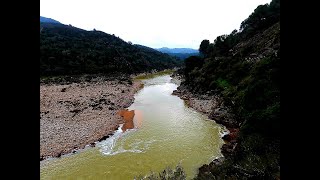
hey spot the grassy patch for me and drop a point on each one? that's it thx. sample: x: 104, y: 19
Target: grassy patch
x: 222, y: 83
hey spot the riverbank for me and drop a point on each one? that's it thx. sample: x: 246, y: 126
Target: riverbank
x: 78, y: 111
x: 212, y: 106
x: 165, y: 134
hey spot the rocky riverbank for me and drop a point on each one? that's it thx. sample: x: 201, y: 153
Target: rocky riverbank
x: 78, y: 111
x: 213, y: 106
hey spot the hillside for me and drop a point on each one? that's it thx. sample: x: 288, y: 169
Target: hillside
x: 243, y: 68
x: 48, y: 20
x: 67, y: 50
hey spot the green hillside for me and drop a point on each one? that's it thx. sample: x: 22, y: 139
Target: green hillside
x: 244, y: 68
x: 67, y: 50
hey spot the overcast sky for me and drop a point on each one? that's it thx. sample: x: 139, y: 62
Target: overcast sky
x: 154, y: 23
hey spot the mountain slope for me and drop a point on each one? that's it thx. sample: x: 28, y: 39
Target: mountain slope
x: 48, y: 20
x: 66, y: 50
x: 243, y: 68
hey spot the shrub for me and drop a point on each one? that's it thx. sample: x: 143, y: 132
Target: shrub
x: 167, y: 174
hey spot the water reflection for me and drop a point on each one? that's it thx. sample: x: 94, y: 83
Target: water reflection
x: 138, y: 119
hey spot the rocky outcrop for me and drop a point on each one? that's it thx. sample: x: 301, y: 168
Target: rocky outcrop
x: 205, y: 169
x: 261, y: 45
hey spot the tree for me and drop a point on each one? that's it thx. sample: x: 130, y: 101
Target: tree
x: 191, y: 63
x: 204, y: 47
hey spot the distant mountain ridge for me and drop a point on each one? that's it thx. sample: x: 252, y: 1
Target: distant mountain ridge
x: 180, y: 53
x: 48, y: 20
x: 177, y: 50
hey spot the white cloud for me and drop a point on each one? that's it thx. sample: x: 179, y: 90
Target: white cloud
x: 154, y: 23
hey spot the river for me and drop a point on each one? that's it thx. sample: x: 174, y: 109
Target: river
x: 166, y: 132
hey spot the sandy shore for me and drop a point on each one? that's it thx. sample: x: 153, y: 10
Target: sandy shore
x: 74, y: 115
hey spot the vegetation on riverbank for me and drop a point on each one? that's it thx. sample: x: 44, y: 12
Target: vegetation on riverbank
x: 167, y: 174
x: 244, y: 68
